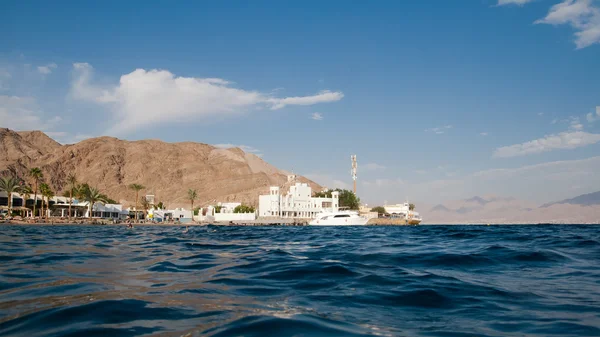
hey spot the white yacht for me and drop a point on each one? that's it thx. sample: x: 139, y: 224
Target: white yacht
x: 339, y: 218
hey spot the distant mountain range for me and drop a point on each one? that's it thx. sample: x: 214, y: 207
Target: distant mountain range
x: 493, y: 209
x: 583, y: 200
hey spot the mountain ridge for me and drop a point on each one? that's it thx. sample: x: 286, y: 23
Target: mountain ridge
x: 167, y: 170
x: 495, y: 209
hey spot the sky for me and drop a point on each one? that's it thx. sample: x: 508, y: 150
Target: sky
x: 439, y: 100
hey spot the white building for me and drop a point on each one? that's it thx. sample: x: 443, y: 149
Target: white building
x: 109, y: 211
x: 160, y: 215
x: 227, y: 207
x: 297, y: 203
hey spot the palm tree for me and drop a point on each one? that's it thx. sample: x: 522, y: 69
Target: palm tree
x: 137, y: 188
x: 92, y: 195
x: 49, y: 194
x: 10, y: 185
x: 26, y: 194
x: 72, y: 180
x: 37, y: 176
x: 411, y: 207
x: 145, y: 206
x: 192, y: 195
x: 44, y: 190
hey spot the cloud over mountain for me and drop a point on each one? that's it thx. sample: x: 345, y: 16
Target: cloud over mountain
x: 149, y: 97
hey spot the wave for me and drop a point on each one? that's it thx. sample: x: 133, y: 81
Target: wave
x: 291, y: 281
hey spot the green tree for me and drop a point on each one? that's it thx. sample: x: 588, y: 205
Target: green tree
x: 347, y: 197
x: 92, y: 195
x: 378, y: 209
x: 145, y: 206
x: 160, y: 205
x: 10, y: 185
x: 243, y: 209
x: 26, y: 193
x: 137, y: 188
x: 192, y: 195
x: 72, y: 180
x: 46, y: 192
x: 218, y: 209
x: 80, y: 190
x: 36, y: 174
x: 411, y: 207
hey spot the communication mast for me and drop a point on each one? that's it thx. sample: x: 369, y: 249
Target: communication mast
x: 354, y: 167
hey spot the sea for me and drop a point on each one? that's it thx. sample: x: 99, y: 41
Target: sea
x: 222, y: 281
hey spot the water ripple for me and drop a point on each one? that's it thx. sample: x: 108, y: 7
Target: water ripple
x: 300, y: 281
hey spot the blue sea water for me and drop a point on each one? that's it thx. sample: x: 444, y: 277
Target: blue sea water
x: 300, y: 281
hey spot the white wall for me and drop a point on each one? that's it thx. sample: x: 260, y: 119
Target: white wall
x: 235, y: 216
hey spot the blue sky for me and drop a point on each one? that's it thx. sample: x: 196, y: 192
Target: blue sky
x: 439, y: 100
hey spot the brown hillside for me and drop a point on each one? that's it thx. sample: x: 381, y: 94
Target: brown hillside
x: 167, y: 170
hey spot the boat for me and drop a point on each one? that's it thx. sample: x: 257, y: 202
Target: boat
x: 404, y: 211
x: 339, y: 218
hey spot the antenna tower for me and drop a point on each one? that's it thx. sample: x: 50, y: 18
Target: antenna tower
x: 354, y: 167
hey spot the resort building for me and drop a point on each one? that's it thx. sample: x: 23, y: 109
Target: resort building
x: 296, y: 203
x: 59, y: 207
x: 163, y: 215
x: 109, y: 211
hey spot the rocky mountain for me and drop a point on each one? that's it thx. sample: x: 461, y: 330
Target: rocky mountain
x: 583, y: 200
x: 493, y: 209
x: 167, y: 170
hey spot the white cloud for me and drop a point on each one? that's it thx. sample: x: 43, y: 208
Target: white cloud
x: 513, y: 2
x: 553, y: 168
x: 383, y: 182
x: 317, y: 116
x: 554, y: 121
x: 47, y: 69
x: 374, y: 167
x: 483, y: 134
x: 575, y: 124
x: 324, y: 96
x: 540, y: 113
x: 23, y: 113
x: 563, y: 140
x: 591, y: 117
x: 581, y: 15
x: 439, y: 130
x: 148, y: 97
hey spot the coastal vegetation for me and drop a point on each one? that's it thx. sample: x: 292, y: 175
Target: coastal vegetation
x: 411, y: 207
x: 10, y: 185
x: 72, y: 181
x: 44, y: 190
x: 145, y: 205
x: 218, y: 209
x: 36, y: 174
x: 244, y: 209
x: 347, y: 198
x: 192, y: 195
x: 92, y: 195
x: 137, y: 188
x: 378, y: 209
